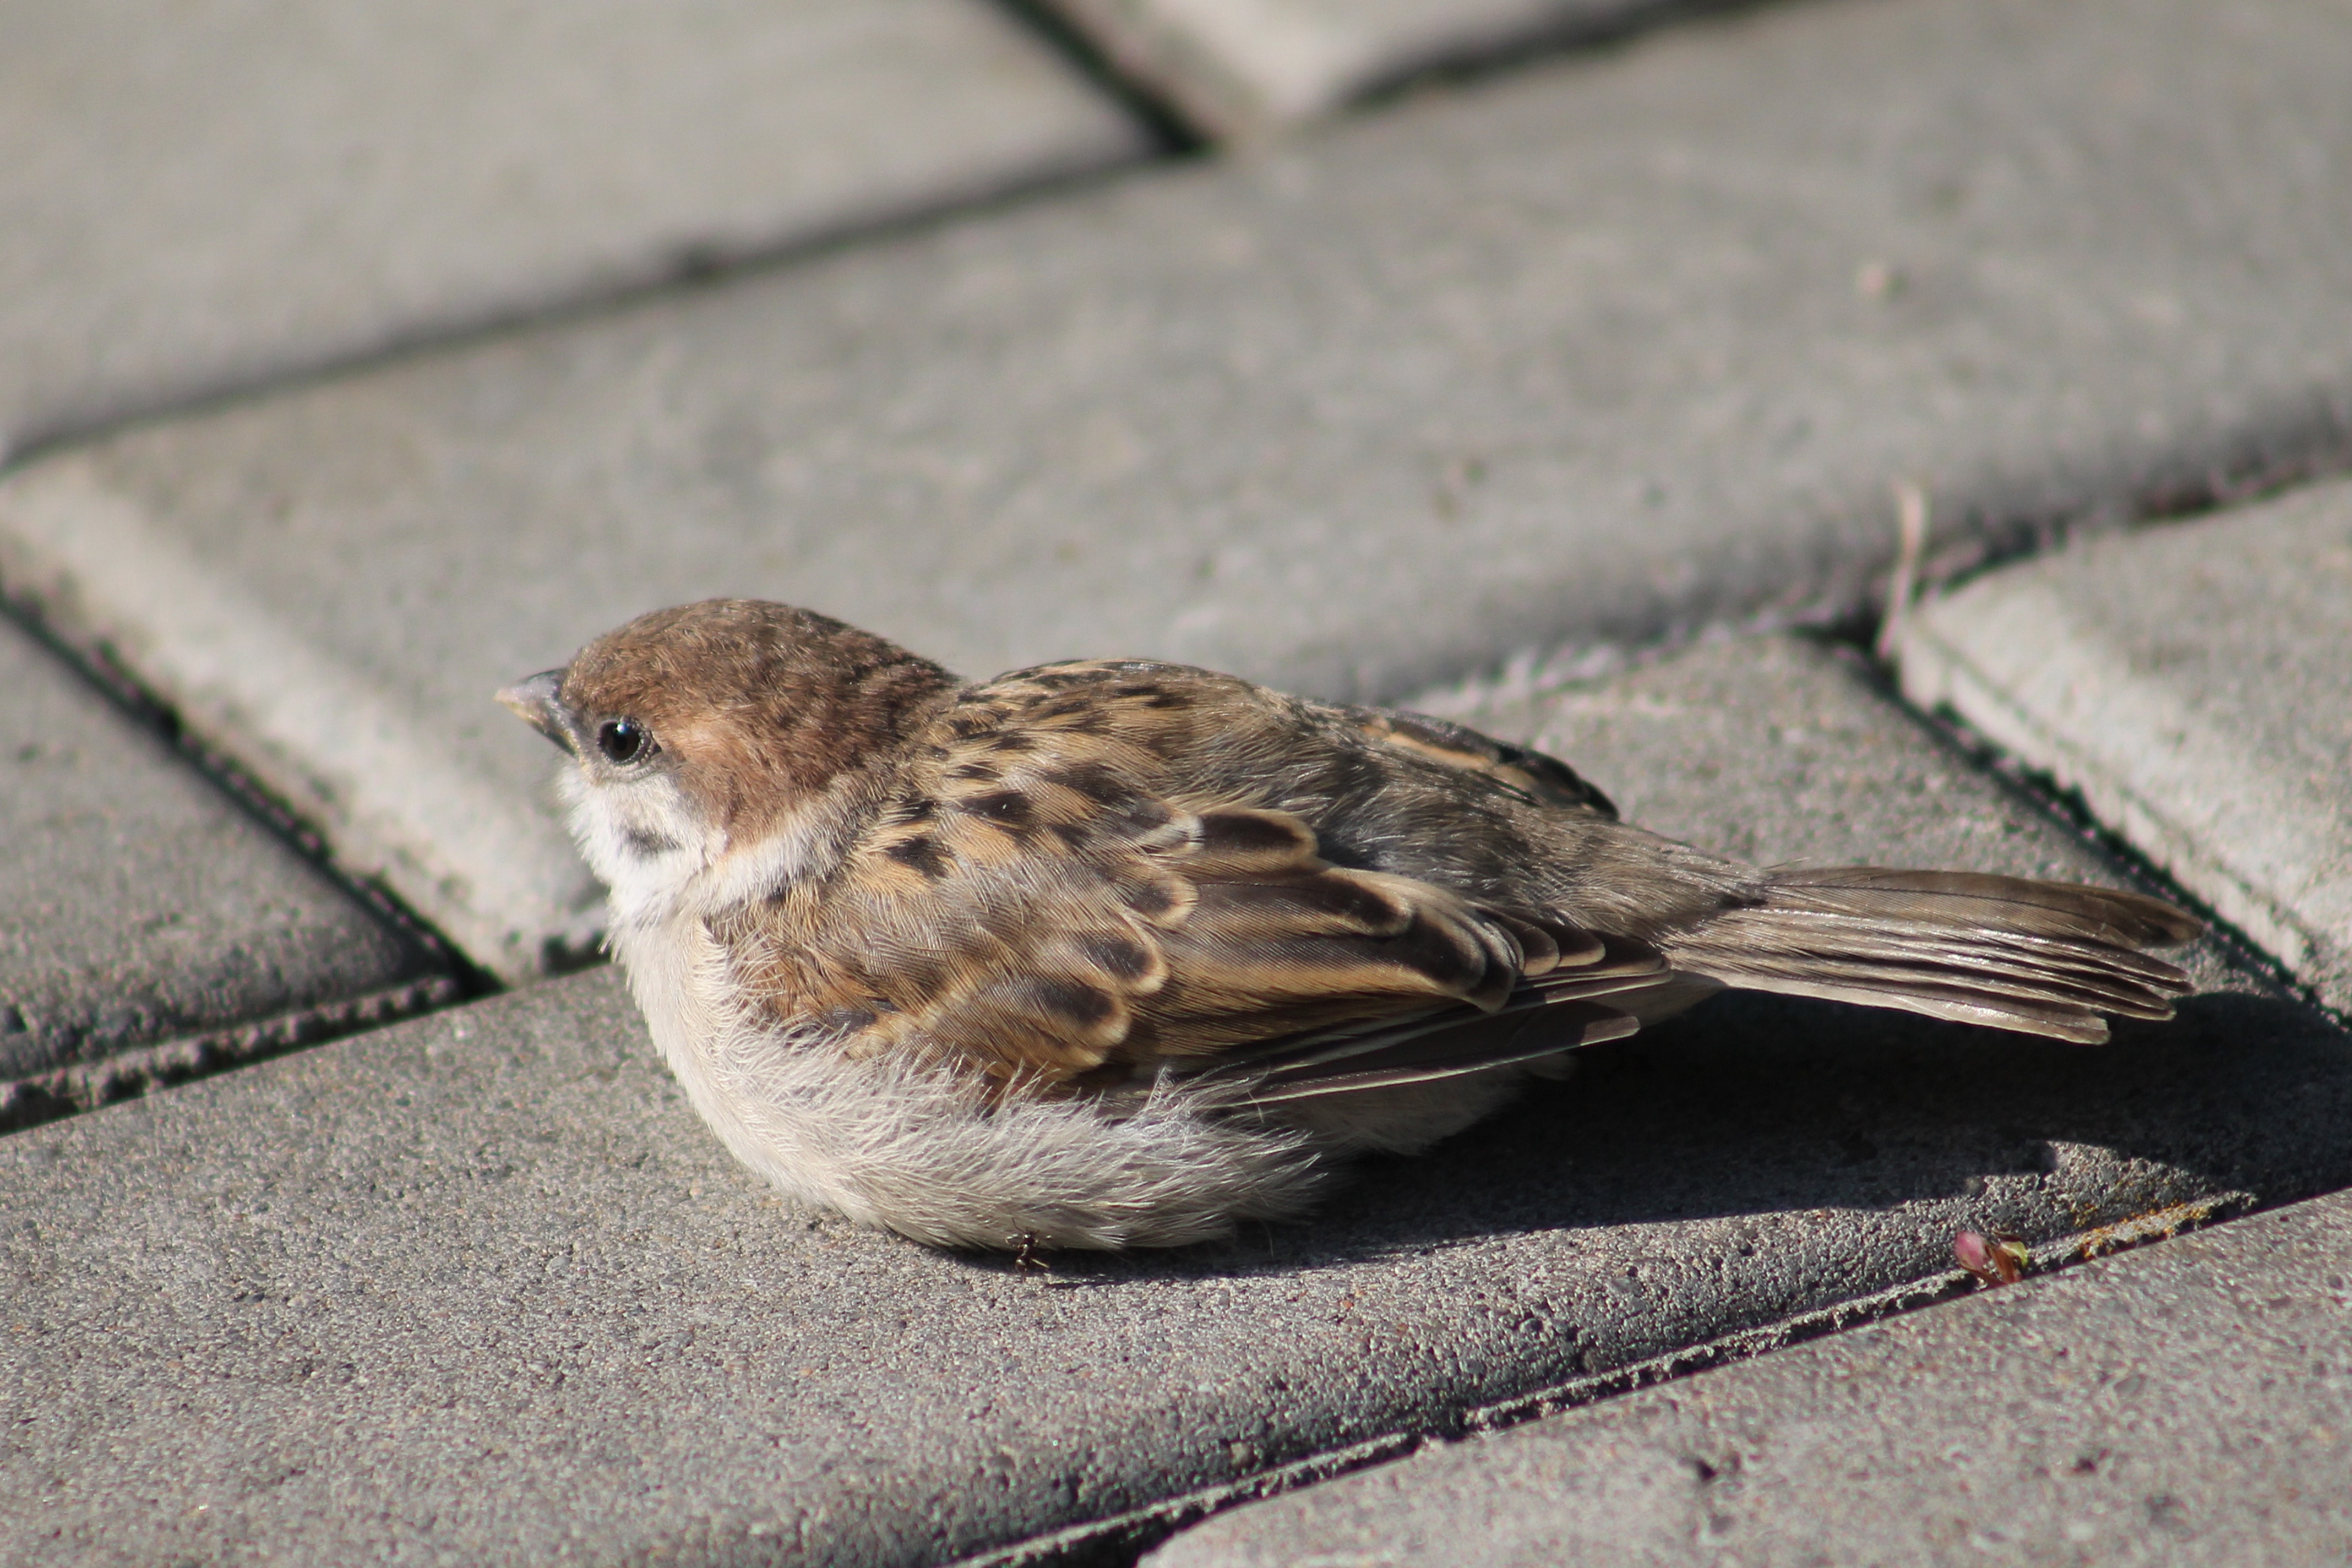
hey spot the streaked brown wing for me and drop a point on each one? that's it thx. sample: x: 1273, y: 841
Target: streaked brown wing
x: 1052, y: 906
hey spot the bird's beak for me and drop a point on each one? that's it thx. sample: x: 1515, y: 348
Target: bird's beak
x: 535, y: 702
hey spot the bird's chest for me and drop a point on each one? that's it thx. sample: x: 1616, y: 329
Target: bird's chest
x: 677, y: 973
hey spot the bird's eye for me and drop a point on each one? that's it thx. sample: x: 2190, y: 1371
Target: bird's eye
x: 624, y: 740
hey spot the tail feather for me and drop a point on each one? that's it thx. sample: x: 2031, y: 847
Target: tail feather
x: 1770, y: 941
x: 2047, y: 958
x: 1984, y: 972
x: 1979, y: 899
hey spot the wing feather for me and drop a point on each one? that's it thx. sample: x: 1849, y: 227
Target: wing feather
x: 1533, y: 773
x: 1089, y: 923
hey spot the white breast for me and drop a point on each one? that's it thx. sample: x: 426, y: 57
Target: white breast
x: 921, y: 1150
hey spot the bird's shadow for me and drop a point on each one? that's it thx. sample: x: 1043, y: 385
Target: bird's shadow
x: 1757, y: 1104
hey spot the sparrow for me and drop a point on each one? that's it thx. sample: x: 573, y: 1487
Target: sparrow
x: 1117, y: 953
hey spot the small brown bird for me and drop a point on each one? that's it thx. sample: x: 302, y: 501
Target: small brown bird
x: 1114, y: 953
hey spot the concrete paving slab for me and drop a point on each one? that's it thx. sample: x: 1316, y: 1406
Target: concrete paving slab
x: 1240, y: 69
x: 1779, y: 750
x: 2194, y: 684
x: 2181, y: 1405
x: 201, y: 196
x: 479, y: 1287
x: 1589, y: 353
x: 149, y: 927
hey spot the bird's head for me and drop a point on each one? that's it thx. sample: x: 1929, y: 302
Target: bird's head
x: 716, y: 736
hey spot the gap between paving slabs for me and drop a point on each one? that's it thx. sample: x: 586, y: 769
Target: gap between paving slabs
x: 150, y: 931
x: 1606, y: 348
x: 209, y: 198
x: 1120, y: 1541
x: 2182, y: 1405
x: 481, y: 1284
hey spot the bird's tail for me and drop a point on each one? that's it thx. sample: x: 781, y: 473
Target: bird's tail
x: 2046, y: 958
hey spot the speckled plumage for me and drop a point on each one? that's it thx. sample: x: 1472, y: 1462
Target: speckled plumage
x: 1115, y: 952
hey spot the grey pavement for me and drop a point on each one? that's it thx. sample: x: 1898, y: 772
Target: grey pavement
x: 1241, y: 70
x: 2194, y: 685
x: 1779, y: 750
x: 479, y: 1287
x: 204, y: 196
x: 1610, y: 347
x: 149, y: 927
x: 2188, y: 1404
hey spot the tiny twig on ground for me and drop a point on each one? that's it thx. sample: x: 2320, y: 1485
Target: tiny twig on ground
x: 1911, y: 545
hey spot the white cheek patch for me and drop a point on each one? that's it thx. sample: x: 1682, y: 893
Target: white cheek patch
x: 641, y: 837
x: 647, y: 843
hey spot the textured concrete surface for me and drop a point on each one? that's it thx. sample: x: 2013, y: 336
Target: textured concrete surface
x: 203, y: 195
x: 1242, y: 69
x: 2194, y: 683
x: 479, y: 1287
x: 1589, y: 352
x: 1779, y: 750
x: 147, y: 927
x: 2182, y: 1405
